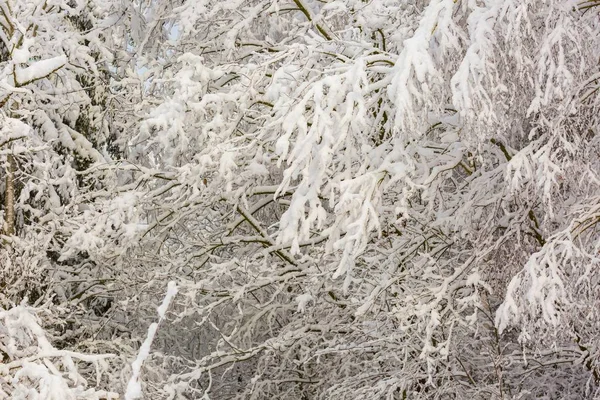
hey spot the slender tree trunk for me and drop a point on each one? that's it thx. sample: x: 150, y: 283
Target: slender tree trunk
x: 9, y: 204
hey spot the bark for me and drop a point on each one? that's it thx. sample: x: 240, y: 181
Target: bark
x: 9, y: 204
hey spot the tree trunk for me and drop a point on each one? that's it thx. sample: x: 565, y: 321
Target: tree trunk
x: 9, y: 204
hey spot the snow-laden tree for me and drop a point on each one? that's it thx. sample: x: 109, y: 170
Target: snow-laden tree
x: 56, y: 63
x: 32, y: 368
x: 56, y: 120
x: 358, y: 200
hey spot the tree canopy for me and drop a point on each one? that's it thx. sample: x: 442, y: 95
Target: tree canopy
x: 300, y: 199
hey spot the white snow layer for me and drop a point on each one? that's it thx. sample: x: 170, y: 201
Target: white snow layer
x: 134, y: 387
x: 39, y: 69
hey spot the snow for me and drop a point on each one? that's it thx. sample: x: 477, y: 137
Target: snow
x: 21, y: 55
x: 171, y: 292
x: 38, y: 70
x: 303, y: 301
x: 134, y: 387
x: 12, y: 129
